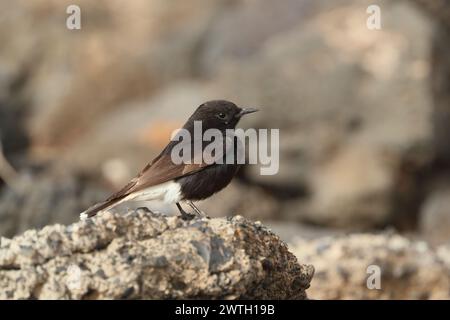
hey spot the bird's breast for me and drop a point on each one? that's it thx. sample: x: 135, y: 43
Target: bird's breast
x: 205, y: 183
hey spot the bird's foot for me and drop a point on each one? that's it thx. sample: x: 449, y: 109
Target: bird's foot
x: 187, y: 216
x: 184, y: 215
x: 199, y: 212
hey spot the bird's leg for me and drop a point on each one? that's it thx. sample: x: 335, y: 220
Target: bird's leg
x: 184, y: 214
x: 197, y: 210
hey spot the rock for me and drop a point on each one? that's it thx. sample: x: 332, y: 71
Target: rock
x: 142, y: 128
x: 250, y: 202
x: 242, y: 29
x: 290, y: 231
x: 344, y: 98
x: 74, y: 77
x: 13, y: 135
x: 37, y: 199
x: 438, y: 9
x: 409, y: 269
x: 144, y: 255
x: 439, y: 12
x: 355, y: 184
x: 434, y: 219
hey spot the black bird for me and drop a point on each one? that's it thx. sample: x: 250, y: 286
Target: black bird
x: 164, y: 180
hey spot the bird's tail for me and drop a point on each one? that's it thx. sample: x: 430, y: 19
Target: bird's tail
x: 92, y: 211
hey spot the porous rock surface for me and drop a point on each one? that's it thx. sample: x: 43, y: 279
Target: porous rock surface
x: 347, y: 267
x: 144, y: 255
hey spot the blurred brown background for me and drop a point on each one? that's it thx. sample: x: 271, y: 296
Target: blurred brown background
x: 363, y: 115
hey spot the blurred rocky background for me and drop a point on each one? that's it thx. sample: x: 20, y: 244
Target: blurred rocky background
x: 363, y: 114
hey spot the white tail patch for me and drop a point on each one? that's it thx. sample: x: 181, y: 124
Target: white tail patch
x: 168, y: 192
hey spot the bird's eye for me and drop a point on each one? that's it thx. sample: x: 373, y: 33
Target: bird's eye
x: 221, y: 115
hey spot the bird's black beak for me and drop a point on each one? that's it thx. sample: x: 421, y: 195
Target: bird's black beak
x: 246, y: 111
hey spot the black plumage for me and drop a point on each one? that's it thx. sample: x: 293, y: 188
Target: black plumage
x: 205, y: 183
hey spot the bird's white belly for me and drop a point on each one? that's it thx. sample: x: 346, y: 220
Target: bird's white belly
x: 169, y: 192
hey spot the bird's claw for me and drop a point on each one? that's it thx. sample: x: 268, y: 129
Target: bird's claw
x: 199, y: 212
x: 190, y: 216
x: 187, y: 216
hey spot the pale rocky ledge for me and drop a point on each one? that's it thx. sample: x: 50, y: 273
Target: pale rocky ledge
x: 145, y: 255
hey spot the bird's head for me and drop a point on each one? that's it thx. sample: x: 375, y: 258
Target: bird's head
x: 219, y: 114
